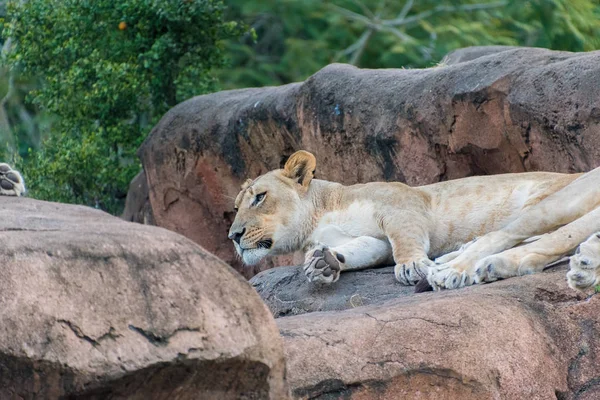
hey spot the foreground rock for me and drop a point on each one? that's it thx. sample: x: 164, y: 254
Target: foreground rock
x: 523, y: 338
x: 92, y: 307
x: 505, y: 110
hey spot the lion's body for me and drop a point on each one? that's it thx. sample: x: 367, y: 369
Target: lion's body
x: 454, y: 212
x: 348, y: 227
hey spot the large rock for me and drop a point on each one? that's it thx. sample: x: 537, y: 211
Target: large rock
x: 137, y: 204
x: 92, y: 307
x: 505, y: 110
x: 523, y: 338
x: 286, y: 291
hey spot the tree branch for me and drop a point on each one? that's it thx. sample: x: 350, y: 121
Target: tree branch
x: 354, y: 46
x: 353, y: 16
x: 373, y: 24
x: 442, y: 8
x: 405, y: 10
x: 399, y: 34
x: 364, y: 8
x: 364, y: 39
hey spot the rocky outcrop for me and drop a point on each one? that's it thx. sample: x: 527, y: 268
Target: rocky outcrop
x: 137, y: 204
x: 504, y: 110
x: 523, y: 338
x: 92, y: 307
x: 286, y: 291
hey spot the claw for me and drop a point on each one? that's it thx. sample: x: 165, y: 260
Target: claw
x: 412, y: 272
x: 447, y: 277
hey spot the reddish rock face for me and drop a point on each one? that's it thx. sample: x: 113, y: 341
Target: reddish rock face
x: 505, y: 110
x: 523, y: 338
x: 92, y: 307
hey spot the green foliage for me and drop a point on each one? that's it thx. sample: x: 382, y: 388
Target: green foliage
x: 109, y: 69
x: 298, y: 37
x: 597, y: 289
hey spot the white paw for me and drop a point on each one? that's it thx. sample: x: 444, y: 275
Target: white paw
x: 579, y: 278
x: 323, y: 265
x: 413, y: 271
x: 491, y: 268
x: 584, y: 266
x: 446, y: 276
x: 11, y: 181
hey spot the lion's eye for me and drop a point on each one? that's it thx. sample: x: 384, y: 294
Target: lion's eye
x: 235, y: 209
x: 259, y: 197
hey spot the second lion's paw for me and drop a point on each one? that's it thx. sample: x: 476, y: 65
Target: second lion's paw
x: 584, y: 266
x: 11, y: 181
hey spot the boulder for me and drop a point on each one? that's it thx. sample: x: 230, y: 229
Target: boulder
x: 503, y: 110
x: 523, y: 338
x: 137, y: 204
x: 286, y: 291
x: 92, y: 307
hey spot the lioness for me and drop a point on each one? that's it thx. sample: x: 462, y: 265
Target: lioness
x: 11, y: 181
x: 472, y: 225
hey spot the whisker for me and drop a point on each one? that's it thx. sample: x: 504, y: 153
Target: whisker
x: 265, y: 244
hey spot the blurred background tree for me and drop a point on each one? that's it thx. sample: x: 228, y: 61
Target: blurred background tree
x: 106, y: 71
x: 98, y: 74
x: 298, y: 37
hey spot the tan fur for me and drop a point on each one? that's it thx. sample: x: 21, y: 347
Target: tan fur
x: 350, y: 227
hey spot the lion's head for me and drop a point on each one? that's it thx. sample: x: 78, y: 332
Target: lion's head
x: 271, y: 210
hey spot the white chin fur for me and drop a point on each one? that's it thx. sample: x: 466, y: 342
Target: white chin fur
x: 253, y: 256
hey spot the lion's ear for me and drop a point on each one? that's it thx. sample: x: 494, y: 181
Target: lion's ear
x: 246, y: 184
x: 301, y: 167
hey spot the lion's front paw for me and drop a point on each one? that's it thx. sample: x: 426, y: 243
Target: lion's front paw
x: 411, y: 272
x: 446, y: 276
x: 323, y: 265
x: 492, y: 268
x: 11, y: 181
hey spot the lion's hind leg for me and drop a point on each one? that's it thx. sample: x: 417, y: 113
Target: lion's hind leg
x: 574, y: 201
x: 534, y: 257
x: 585, y: 264
x: 11, y: 181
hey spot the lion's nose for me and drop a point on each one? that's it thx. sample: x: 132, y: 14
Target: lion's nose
x: 237, y: 236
